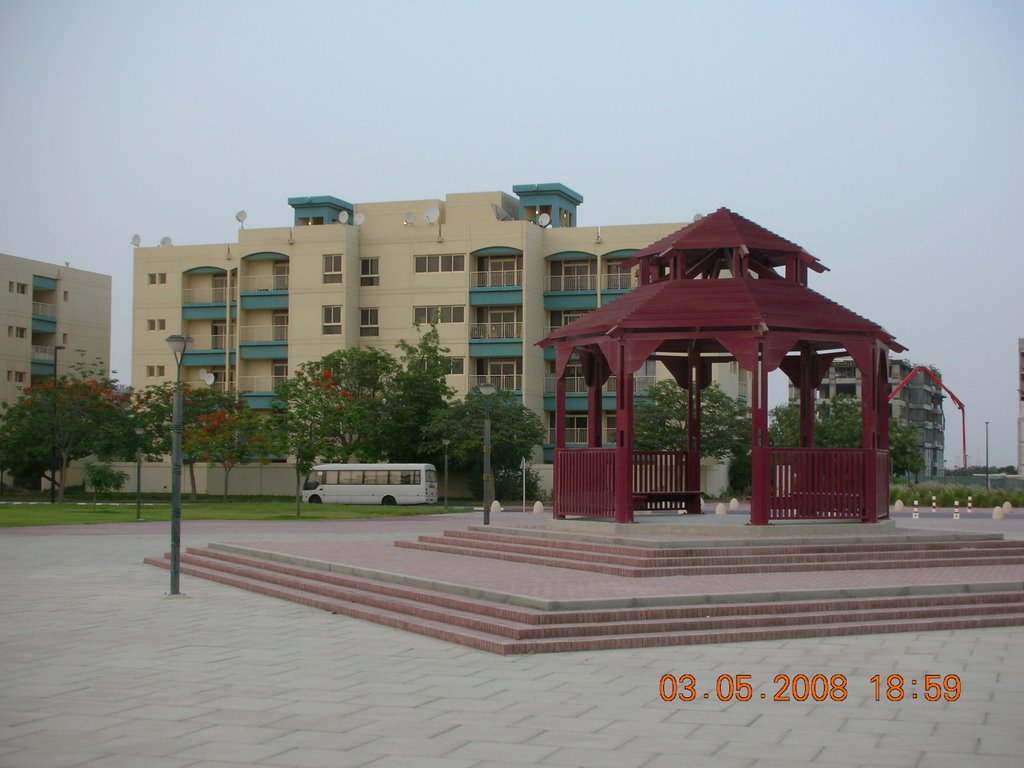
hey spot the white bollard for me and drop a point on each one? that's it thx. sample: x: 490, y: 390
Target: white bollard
x: 1007, y: 507
x: 720, y: 509
x: 734, y: 505
x: 934, y: 503
x: 956, y: 509
x: 898, y: 506
x: 538, y: 507
x: 970, y: 504
x: 917, y: 514
x: 997, y: 513
x: 495, y: 506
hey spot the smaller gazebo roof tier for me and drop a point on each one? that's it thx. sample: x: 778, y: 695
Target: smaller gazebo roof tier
x: 706, y: 247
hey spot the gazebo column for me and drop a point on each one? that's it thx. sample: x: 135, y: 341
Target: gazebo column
x: 874, y: 429
x: 559, y: 437
x: 624, y: 438
x: 760, y: 459
x: 808, y: 383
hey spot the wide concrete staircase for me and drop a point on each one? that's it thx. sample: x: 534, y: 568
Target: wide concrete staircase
x: 641, y: 558
x: 505, y: 623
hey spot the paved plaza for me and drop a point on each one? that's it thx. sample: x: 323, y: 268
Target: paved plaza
x: 98, y: 667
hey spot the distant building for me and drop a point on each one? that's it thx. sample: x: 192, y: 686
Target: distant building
x: 495, y: 271
x: 46, y: 307
x: 919, y: 403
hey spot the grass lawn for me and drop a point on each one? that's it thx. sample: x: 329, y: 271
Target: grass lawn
x: 78, y: 513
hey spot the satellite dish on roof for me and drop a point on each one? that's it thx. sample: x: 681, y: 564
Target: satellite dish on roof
x: 544, y: 219
x: 698, y: 216
x: 165, y: 241
x: 343, y: 217
x: 241, y: 217
x: 431, y: 214
x: 136, y: 240
x: 500, y: 213
x: 359, y: 218
x: 410, y: 218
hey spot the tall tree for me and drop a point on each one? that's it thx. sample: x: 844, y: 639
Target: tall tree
x: 234, y: 435
x: 309, y: 418
x: 367, y: 375
x: 659, y: 421
x: 419, y: 390
x: 75, y: 416
x: 838, y: 425
x: 152, y: 409
x: 516, y: 432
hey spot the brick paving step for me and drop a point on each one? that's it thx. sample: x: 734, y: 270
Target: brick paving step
x: 754, y: 560
x: 886, y: 543
x: 500, y: 628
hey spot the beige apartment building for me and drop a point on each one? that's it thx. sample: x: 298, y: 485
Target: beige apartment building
x: 52, y: 316
x: 495, y: 272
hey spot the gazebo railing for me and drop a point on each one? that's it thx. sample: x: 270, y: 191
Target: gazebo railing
x: 585, y: 481
x: 827, y: 484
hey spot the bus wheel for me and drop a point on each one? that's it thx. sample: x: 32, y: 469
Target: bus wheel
x: 388, y: 501
x: 315, y: 500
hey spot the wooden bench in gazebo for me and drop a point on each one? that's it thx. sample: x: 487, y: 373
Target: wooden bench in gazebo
x: 723, y: 290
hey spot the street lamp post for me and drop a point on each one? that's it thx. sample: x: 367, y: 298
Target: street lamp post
x: 138, y: 472
x: 178, y: 345
x: 988, y: 485
x: 487, y: 389
x: 53, y: 429
x: 446, y: 444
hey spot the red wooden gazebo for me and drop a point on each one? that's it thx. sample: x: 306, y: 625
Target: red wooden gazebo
x: 720, y: 290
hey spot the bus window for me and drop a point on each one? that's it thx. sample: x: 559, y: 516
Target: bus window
x: 312, y: 481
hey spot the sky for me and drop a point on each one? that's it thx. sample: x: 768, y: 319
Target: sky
x: 886, y: 138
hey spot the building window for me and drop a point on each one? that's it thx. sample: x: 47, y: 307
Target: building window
x: 18, y: 377
x: 368, y: 325
x: 158, y: 324
x: 64, y: 339
x: 432, y: 315
x: 458, y: 365
x: 279, y: 322
x: 157, y: 278
x: 369, y: 271
x: 332, y: 320
x: 17, y: 332
x: 446, y: 262
x: 332, y: 268
x: 154, y: 370
x: 65, y: 297
x: 21, y: 288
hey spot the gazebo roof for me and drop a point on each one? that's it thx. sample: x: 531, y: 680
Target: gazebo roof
x: 725, y: 229
x: 709, y: 307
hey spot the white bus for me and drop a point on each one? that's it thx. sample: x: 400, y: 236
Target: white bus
x: 371, y: 484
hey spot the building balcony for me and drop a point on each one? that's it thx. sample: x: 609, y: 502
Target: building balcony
x: 41, y: 309
x: 512, y: 278
x: 259, y: 384
x: 509, y: 382
x: 205, y: 295
x: 262, y: 333
x: 260, y: 283
x: 42, y: 354
x: 618, y: 281
x: 570, y: 283
x: 496, y: 330
x: 577, y: 385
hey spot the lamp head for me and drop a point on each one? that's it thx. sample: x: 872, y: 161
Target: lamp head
x: 487, y: 388
x: 139, y: 431
x: 178, y: 344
